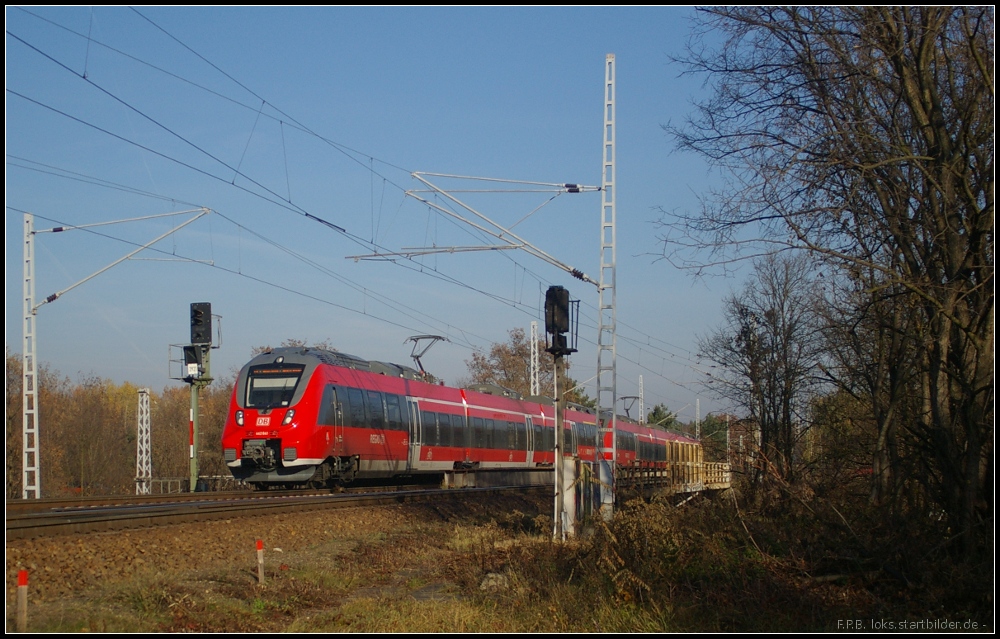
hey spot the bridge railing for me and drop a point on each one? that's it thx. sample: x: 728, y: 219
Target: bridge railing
x: 676, y: 476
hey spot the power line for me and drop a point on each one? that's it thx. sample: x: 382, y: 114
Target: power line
x: 461, y: 342
x: 286, y: 203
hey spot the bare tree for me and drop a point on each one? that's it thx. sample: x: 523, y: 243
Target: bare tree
x: 767, y: 355
x: 866, y: 135
x: 873, y: 339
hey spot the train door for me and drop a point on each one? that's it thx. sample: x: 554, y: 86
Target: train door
x: 337, y: 418
x: 414, y: 456
x: 569, y: 439
x: 331, y: 418
x: 531, y: 440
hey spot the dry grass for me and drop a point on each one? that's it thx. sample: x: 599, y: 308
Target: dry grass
x: 710, y: 565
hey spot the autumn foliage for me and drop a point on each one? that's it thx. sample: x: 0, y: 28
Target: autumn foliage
x: 88, y: 429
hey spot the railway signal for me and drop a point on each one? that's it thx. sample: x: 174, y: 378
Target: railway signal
x: 561, y: 317
x: 201, y: 323
x: 559, y: 321
x: 557, y: 310
x: 197, y: 373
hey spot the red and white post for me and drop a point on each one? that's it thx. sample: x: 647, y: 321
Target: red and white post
x: 22, y: 601
x: 260, y: 561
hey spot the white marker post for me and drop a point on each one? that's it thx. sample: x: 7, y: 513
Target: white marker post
x: 260, y: 561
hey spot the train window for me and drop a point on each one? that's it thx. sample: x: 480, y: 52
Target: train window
x: 429, y: 429
x: 357, y: 407
x: 376, y: 412
x: 629, y: 441
x: 394, y: 412
x: 272, y: 385
x: 328, y: 407
x: 461, y: 433
x: 478, y: 432
x: 490, y: 431
x: 446, y: 434
x: 345, y: 407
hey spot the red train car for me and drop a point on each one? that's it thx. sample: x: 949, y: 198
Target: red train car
x: 312, y: 417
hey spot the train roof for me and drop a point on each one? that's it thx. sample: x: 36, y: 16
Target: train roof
x: 345, y: 360
x: 495, y: 389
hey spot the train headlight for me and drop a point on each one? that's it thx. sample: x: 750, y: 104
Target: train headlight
x: 288, y: 417
x: 239, y: 418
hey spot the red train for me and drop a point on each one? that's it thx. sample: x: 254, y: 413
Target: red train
x: 311, y: 417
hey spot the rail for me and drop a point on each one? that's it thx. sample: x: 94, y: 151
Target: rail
x: 56, y: 518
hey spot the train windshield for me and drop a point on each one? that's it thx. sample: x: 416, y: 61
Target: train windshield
x: 272, y: 386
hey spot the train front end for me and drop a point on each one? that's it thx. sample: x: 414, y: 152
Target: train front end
x: 271, y: 436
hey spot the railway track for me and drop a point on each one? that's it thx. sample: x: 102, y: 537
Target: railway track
x: 45, y: 518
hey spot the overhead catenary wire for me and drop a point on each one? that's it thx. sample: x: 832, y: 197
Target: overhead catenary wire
x: 462, y: 342
x: 285, y: 202
x: 531, y: 311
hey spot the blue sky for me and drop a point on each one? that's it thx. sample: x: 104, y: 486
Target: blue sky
x: 272, y: 117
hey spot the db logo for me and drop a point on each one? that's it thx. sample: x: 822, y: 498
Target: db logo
x: 263, y: 421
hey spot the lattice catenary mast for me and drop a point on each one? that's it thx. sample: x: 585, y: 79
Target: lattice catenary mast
x: 143, y: 448
x: 607, y: 382
x: 535, y: 386
x: 31, y: 463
